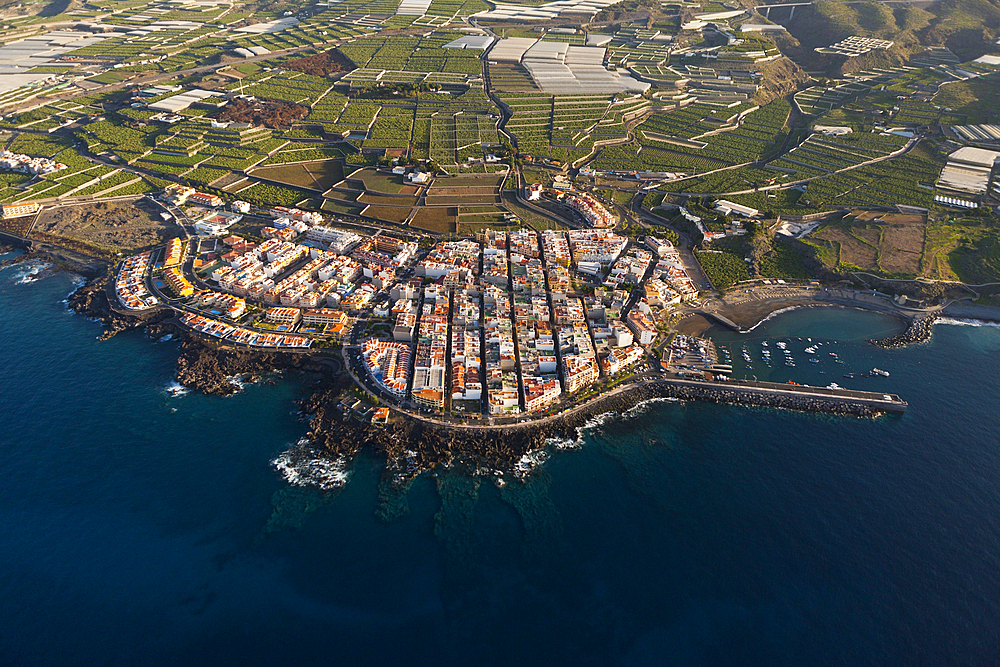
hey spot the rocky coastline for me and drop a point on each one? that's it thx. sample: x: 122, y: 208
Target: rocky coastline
x: 427, y: 445
x: 919, y: 331
x: 212, y: 367
x: 93, y: 300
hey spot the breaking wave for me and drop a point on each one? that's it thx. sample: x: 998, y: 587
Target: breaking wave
x: 30, y: 272
x: 598, y: 420
x: 238, y: 380
x: 78, y: 282
x: 562, y: 444
x: 305, y: 465
x: 176, y: 389
x: 529, y: 463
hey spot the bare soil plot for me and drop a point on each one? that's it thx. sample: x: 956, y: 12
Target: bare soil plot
x: 481, y: 214
x: 447, y: 200
x: 321, y: 64
x: 850, y: 249
x: 386, y: 200
x: 891, y: 244
x: 127, y: 225
x: 442, y: 219
x: 902, y: 248
x: 269, y: 113
x: 490, y: 181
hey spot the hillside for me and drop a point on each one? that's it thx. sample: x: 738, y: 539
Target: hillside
x: 967, y: 27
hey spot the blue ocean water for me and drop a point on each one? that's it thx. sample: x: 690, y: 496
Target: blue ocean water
x: 137, y: 527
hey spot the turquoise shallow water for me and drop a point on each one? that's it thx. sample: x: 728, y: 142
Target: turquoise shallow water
x: 141, y: 528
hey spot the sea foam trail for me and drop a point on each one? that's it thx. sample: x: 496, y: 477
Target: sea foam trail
x: 643, y: 407
x: 304, y: 465
x: 963, y: 322
x: 775, y: 313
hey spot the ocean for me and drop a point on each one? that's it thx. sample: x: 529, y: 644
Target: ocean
x: 141, y: 524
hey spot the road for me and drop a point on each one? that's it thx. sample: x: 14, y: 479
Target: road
x: 684, y: 248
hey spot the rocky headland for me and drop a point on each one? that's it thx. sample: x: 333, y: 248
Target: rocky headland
x: 93, y: 299
x: 213, y: 368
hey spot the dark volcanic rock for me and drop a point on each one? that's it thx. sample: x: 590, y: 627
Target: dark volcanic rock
x: 209, y: 368
x: 918, y: 332
x: 334, y: 430
x: 92, y: 300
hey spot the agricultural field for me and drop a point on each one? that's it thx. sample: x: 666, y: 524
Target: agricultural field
x: 370, y: 180
x: 511, y: 78
x: 289, y: 86
x: 891, y: 245
x: 394, y: 214
x: 319, y: 176
x: 405, y: 53
x: 568, y: 127
x: 675, y: 141
x: 908, y: 179
x: 266, y: 194
x: 723, y: 267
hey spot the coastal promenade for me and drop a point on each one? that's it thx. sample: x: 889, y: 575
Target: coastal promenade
x: 747, y: 393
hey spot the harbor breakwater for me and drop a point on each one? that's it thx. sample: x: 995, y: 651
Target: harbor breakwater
x: 919, y: 331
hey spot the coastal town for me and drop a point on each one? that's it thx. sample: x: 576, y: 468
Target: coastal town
x: 500, y: 331
x: 487, y: 215
x: 495, y: 325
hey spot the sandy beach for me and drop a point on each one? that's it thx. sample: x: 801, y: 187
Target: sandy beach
x: 749, y: 312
